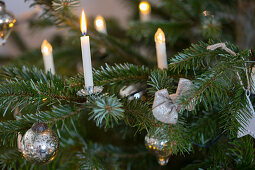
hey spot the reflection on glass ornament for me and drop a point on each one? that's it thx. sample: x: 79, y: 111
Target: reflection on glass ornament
x: 160, y: 147
x: 39, y: 144
x: 134, y: 91
x: 6, y: 23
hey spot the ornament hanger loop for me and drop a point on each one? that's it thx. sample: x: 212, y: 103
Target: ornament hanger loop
x: 247, y: 77
x: 248, y: 93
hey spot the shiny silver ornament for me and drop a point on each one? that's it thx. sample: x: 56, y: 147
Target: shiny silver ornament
x: 160, y: 147
x: 7, y: 22
x: 39, y: 144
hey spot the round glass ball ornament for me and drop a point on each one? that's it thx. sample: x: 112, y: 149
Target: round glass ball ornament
x: 160, y: 147
x: 39, y: 144
x: 7, y: 21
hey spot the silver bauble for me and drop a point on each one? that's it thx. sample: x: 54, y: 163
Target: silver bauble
x: 39, y: 144
x: 159, y: 147
x: 7, y: 21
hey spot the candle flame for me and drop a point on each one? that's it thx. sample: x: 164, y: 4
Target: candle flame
x: 99, y: 22
x: 160, y: 36
x: 46, y: 48
x: 83, y: 23
x: 145, y: 7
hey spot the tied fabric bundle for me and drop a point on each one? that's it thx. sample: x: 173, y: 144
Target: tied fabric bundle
x: 165, y: 109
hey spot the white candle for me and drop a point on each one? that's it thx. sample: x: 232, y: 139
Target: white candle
x: 161, y: 49
x: 46, y: 49
x: 145, y: 11
x: 100, y: 25
x: 86, y: 56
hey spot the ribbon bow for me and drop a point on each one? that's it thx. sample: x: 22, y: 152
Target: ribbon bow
x: 165, y: 108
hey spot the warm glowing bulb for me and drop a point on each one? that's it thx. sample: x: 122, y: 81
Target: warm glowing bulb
x: 205, y: 13
x: 160, y: 36
x: 83, y: 23
x: 46, y: 47
x: 11, y: 25
x: 99, y: 22
x: 145, y: 7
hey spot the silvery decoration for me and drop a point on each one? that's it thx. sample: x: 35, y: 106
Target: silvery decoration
x: 184, y: 86
x: 249, y: 126
x: 6, y: 23
x: 159, y: 147
x: 90, y: 91
x: 133, y: 91
x: 163, y: 108
x: 39, y: 144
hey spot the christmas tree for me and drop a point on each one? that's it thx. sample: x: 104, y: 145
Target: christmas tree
x: 137, y: 108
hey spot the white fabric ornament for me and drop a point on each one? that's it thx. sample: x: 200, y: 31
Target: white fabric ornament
x: 163, y: 108
x: 249, y: 126
x: 185, y: 85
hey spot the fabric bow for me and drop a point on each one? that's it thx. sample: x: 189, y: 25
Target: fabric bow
x: 165, y: 108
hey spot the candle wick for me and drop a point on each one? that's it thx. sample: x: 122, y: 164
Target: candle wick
x: 84, y: 33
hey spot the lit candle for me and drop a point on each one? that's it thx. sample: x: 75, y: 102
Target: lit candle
x: 161, y: 49
x: 86, y: 56
x: 145, y: 11
x: 46, y: 49
x: 100, y: 25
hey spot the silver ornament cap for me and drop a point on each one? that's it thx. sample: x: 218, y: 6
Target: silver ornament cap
x: 39, y: 144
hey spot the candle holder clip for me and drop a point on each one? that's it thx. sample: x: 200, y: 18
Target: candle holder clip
x: 90, y: 91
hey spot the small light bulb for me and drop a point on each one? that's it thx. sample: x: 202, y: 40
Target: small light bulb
x: 11, y: 25
x: 205, y: 13
x: 160, y: 36
x: 100, y: 24
x: 145, y: 7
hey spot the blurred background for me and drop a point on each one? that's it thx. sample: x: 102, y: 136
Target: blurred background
x: 23, y: 13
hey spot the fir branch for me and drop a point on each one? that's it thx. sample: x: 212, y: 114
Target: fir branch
x: 106, y: 110
x: 213, y: 85
x: 9, y: 158
x: 88, y: 162
x: 197, y: 57
x: 160, y: 80
x: 120, y: 75
x: 243, y: 153
x: 57, y: 114
x: 27, y: 74
x: 138, y: 114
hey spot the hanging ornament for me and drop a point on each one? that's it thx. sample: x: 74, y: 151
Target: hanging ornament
x: 160, y: 147
x: 163, y: 108
x: 7, y: 21
x: 185, y: 85
x: 39, y: 144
